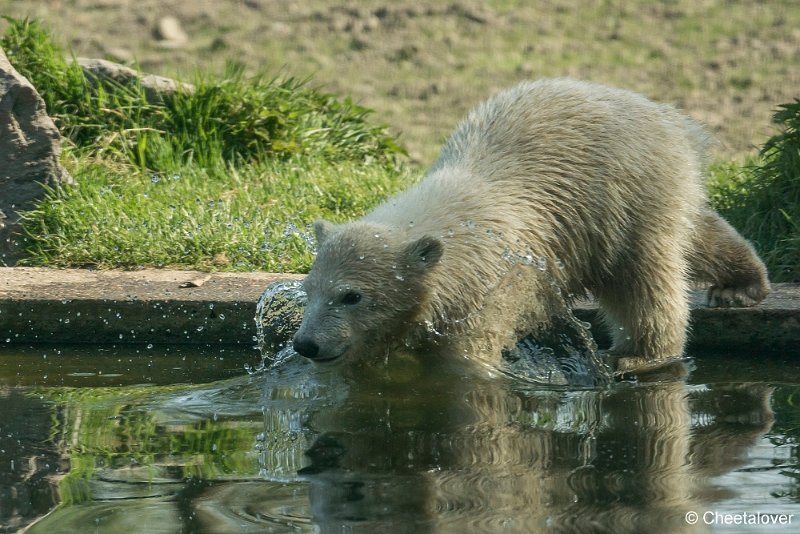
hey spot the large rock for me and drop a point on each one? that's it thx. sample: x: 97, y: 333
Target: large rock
x: 156, y: 88
x: 29, y: 149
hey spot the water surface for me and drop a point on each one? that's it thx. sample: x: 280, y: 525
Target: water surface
x: 179, y: 439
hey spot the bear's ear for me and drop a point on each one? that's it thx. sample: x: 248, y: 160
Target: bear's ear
x: 424, y: 253
x: 322, y: 229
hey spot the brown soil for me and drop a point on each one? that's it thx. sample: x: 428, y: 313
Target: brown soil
x: 421, y: 65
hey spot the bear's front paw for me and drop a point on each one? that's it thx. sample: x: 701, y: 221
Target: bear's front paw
x: 726, y: 296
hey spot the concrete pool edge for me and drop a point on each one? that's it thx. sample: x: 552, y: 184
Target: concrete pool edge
x: 42, y: 305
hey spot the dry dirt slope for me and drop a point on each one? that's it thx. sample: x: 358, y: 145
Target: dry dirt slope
x: 421, y: 65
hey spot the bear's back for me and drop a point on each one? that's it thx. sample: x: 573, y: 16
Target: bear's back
x: 550, y: 124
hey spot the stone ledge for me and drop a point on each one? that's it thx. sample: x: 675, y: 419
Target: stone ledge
x: 39, y: 305
x: 771, y: 326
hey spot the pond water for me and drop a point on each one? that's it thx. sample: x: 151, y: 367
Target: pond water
x: 182, y: 439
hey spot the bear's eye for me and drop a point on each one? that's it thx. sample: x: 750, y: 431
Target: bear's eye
x: 350, y: 298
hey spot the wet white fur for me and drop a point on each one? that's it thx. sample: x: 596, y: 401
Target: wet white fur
x: 601, y: 185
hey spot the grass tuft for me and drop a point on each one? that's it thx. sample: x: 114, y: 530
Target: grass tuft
x: 233, y: 118
x: 762, y: 198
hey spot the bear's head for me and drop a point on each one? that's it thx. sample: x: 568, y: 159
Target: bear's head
x: 366, y: 288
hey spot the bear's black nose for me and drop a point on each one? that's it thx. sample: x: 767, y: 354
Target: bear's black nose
x: 305, y: 346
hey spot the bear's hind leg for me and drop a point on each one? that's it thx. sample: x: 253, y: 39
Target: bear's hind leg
x: 724, y: 258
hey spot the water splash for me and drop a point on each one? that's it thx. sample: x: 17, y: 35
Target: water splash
x: 558, y: 348
x: 279, y: 312
x: 563, y: 354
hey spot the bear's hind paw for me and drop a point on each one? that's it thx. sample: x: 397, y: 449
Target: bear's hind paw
x: 726, y: 297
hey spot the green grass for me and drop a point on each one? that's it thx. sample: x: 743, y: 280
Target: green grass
x: 223, y: 217
x: 762, y: 198
x: 225, y: 177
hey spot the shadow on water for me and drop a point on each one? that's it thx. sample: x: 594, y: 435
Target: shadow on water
x: 408, y: 445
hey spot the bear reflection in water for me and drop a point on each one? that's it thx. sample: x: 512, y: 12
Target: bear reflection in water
x: 432, y: 450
